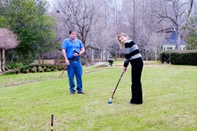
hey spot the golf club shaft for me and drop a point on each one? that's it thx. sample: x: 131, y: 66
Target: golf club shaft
x: 64, y: 70
x: 117, y: 85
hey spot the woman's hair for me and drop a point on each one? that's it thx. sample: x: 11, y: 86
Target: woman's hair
x: 121, y: 44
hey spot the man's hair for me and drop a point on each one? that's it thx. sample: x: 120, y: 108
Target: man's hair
x: 71, y: 31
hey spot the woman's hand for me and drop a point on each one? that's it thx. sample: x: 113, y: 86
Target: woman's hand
x: 124, y: 69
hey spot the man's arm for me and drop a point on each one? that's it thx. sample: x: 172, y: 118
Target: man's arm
x: 65, y: 57
x: 64, y: 53
x: 82, y: 51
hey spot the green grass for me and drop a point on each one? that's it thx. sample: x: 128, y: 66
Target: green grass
x: 169, y: 92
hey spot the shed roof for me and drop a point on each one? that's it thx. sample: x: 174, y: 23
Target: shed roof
x: 172, y: 39
x: 8, y: 39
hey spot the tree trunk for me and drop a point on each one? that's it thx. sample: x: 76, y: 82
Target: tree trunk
x: 0, y: 60
x: 3, y: 60
x: 134, y: 20
x: 99, y: 57
x: 116, y: 55
x: 39, y: 59
x: 56, y: 59
x: 92, y: 58
x: 85, y: 59
x: 42, y: 58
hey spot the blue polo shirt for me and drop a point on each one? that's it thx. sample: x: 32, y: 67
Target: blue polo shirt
x: 70, y: 46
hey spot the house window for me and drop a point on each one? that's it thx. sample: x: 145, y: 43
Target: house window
x: 169, y: 48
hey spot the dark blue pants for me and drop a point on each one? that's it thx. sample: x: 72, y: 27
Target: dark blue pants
x: 136, y: 86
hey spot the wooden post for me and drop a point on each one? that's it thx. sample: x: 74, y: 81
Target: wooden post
x: 52, y: 121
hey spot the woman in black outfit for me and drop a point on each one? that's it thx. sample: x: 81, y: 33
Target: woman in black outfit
x: 132, y: 56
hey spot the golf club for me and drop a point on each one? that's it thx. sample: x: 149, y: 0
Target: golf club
x: 110, y: 99
x: 64, y: 71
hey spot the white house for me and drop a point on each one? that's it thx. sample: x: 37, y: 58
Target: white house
x: 170, y: 43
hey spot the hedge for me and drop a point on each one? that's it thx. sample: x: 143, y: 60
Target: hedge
x: 179, y: 57
x: 36, y: 68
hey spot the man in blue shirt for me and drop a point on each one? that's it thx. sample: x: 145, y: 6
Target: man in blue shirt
x: 72, y: 49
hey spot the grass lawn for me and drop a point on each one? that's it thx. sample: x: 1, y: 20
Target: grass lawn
x: 169, y: 92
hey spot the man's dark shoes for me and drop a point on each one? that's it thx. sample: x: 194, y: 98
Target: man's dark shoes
x: 81, y: 92
x: 72, y: 93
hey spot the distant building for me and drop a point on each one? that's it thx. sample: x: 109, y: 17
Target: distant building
x: 170, y: 43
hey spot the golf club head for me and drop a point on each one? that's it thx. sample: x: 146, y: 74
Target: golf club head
x: 110, y: 101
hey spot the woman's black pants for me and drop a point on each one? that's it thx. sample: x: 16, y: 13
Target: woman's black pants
x: 136, y: 86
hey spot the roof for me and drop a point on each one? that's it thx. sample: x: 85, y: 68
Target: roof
x: 8, y: 39
x: 172, y: 39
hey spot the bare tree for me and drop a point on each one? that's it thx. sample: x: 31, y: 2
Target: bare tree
x: 173, y: 11
x: 139, y: 19
x: 79, y: 15
x: 102, y: 36
x: 155, y: 44
x: 140, y: 23
x: 132, y: 16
